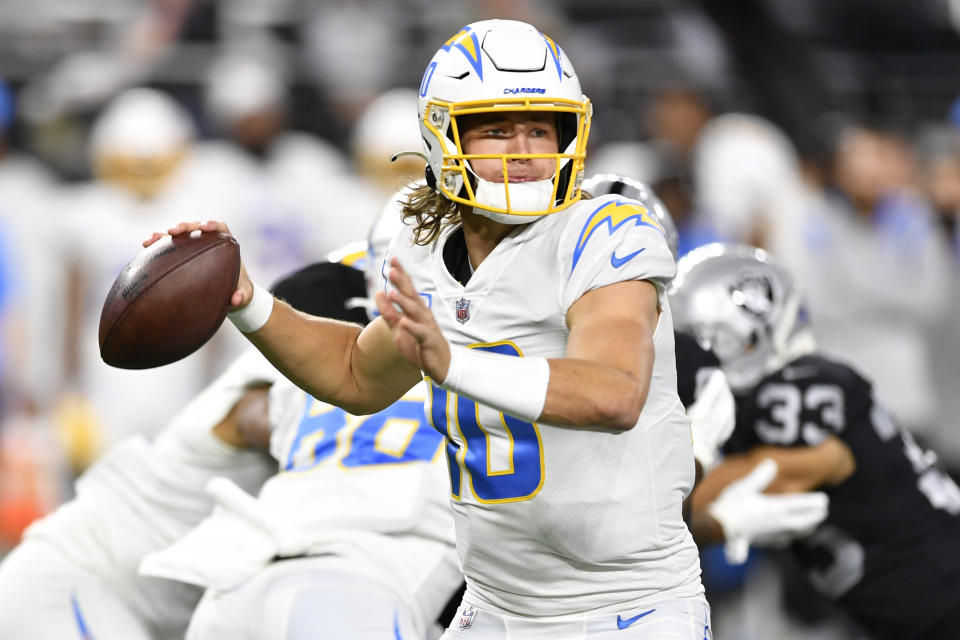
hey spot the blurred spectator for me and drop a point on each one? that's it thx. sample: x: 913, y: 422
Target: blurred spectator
x: 292, y: 195
x: 876, y: 268
x: 29, y: 364
x: 30, y: 475
x: 675, y: 119
x: 748, y: 182
x: 140, y: 151
x: 940, y: 163
x: 388, y: 125
x: 29, y: 286
x: 939, y: 148
x: 351, y: 49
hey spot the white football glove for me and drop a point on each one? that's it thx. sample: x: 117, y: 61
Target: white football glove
x: 748, y: 516
x: 712, y: 418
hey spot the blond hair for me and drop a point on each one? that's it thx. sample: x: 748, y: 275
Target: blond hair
x: 432, y: 211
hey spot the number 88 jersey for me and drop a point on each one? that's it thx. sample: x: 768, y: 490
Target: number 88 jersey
x: 889, y: 551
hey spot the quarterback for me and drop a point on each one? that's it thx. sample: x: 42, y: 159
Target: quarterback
x: 542, y: 327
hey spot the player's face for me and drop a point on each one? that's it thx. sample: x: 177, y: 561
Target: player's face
x: 514, y: 132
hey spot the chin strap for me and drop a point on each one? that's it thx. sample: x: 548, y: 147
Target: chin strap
x: 430, y: 178
x: 525, y: 198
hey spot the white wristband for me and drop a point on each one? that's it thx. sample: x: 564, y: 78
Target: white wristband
x: 515, y: 386
x: 256, y: 313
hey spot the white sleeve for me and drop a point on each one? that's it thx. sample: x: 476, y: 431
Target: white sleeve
x: 613, y: 240
x: 286, y: 403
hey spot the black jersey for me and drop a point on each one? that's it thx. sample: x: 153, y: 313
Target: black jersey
x: 694, y: 363
x: 889, y: 551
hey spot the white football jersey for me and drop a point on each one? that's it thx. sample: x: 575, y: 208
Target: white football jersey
x: 382, y: 479
x: 557, y: 521
x: 366, y: 494
x: 141, y: 496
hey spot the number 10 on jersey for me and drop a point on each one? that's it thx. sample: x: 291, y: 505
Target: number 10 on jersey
x: 470, y: 444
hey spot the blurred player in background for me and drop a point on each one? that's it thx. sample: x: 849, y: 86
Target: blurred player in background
x: 75, y: 573
x: 748, y: 182
x: 140, y: 149
x: 352, y: 539
x: 351, y: 489
x: 889, y: 551
x: 294, y: 195
x: 288, y: 190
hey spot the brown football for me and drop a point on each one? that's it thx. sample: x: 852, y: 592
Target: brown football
x: 169, y: 300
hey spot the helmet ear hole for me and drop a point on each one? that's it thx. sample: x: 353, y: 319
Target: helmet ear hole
x: 563, y: 182
x: 430, y: 178
x: 566, y: 130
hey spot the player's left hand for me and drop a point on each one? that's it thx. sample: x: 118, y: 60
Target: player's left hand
x: 415, y: 330
x: 750, y: 517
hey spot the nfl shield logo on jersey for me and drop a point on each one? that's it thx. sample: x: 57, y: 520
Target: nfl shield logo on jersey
x: 466, y: 617
x: 463, y: 310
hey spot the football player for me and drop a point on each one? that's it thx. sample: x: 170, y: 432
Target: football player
x: 76, y: 573
x: 889, y: 551
x: 543, y: 328
x: 352, y: 539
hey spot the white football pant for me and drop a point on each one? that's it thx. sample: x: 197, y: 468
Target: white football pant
x: 669, y: 620
x: 45, y: 596
x: 298, y: 599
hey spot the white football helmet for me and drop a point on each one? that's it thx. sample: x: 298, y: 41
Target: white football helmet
x: 139, y: 140
x: 740, y: 304
x: 502, y: 65
x: 601, y: 184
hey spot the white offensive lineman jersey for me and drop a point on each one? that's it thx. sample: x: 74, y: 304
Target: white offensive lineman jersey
x: 556, y: 521
x: 141, y: 496
x: 368, y: 494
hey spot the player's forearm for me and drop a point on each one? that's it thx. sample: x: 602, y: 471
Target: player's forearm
x: 799, y: 469
x: 806, y: 468
x: 590, y: 395
x: 314, y: 353
x: 564, y: 392
x: 794, y: 474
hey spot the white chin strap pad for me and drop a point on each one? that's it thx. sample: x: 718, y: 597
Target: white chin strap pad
x: 534, y: 197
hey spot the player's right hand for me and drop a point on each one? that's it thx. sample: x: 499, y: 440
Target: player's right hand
x: 415, y: 330
x: 244, y: 292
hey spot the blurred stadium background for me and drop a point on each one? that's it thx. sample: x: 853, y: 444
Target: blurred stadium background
x: 827, y: 131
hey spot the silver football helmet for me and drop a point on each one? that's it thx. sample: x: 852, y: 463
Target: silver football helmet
x: 600, y: 184
x: 742, y: 305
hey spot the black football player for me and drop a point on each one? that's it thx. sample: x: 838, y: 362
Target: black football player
x: 888, y: 553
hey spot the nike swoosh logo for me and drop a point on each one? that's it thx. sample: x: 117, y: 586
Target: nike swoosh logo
x: 624, y: 623
x: 619, y: 262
